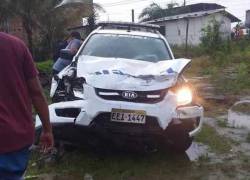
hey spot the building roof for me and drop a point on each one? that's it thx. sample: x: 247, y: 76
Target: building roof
x: 195, y: 10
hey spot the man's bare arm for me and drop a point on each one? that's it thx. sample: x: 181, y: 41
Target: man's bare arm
x: 40, y: 103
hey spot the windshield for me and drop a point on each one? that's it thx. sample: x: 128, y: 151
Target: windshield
x: 127, y: 46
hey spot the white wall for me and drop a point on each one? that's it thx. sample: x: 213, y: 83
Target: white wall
x: 176, y: 29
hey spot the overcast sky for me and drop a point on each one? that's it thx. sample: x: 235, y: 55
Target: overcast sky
x: 120, y: 10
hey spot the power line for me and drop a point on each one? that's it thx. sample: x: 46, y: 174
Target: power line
x: 126, y: 2
x: 122, y: 3
x: 163, y: 2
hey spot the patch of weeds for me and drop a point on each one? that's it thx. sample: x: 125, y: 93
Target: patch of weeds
x: 47, y: 95
x: 234, y: 142
x: 222, y: 123
x: 229, y: 171
x: 213, y: 108
x: 248, y: 138
x: 198, y: 66
x: 115, y: 166
x: 204, y: 158
x: 217, y: 143
x: 45, y: 66
x: 242, y: 108
x: 245, y: 159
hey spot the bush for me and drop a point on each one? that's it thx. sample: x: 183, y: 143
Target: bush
x: 211, y: 39
x: 45, y: 66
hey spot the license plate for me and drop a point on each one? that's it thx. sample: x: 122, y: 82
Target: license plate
x: 128, y: 116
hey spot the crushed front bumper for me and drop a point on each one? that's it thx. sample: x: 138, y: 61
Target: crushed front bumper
x: 190, y: 118
x: 192, y: 115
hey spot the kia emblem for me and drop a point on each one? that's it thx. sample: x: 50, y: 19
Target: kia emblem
x: 129, y: 95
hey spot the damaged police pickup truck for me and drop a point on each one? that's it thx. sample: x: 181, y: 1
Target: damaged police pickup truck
x: 124, y: 85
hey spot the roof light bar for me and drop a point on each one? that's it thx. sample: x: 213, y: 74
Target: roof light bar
x: 128, y: 25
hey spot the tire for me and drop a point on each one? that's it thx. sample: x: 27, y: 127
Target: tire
x: 178, y: 138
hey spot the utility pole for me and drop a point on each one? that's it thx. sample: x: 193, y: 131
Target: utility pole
x: 133, y: 15
x: 187, y: 34
x: 184, y: 3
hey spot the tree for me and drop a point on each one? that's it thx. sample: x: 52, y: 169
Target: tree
x: 3, y: 16
x: 155, y: 11
x: 211, y: 36
x: 81, y: 5
x: 92, y: 19
x: 43, y: 24
x: 25, y: 10
x: 28, y: 11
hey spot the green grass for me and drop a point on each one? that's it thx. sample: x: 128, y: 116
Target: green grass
x: 117, y: 166
x: 222, y: 123
x: 45, y: 66
x: 216, y: 63
x: 160, y: 165
x: 47, y: 95
x: 217, y: 143
x: 242, y: 108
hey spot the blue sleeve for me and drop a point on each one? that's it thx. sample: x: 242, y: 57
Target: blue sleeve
x: 76, y: 44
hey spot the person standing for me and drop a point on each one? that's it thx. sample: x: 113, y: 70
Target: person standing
x: 19, y: 89
x: 61, y: 44
x: 74, y: 43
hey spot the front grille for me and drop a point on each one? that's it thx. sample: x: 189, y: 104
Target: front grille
x: 103, y: 121
x: 150, y: 97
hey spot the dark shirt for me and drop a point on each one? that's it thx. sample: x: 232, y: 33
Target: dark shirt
x: 60, y: 45
x: 16, y: 67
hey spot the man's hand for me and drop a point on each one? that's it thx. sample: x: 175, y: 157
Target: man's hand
x: 46, y: 141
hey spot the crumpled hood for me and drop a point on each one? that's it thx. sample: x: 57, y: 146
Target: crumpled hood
x: 128, y: 74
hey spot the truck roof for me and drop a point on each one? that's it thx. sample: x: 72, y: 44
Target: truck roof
x: 129, y: 28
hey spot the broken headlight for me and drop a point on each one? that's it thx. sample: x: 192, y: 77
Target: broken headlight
x: 77, y: 87
x: 184, y: 94
x: 67, y: 80
x: 73, y: 84
x: 69, y: 87
x: 71, y: 74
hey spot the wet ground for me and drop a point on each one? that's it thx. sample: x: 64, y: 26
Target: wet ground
x: 208, y: 160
